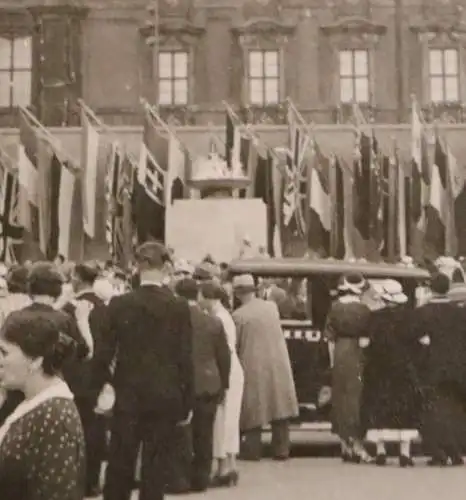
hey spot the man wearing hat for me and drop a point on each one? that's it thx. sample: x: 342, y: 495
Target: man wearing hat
x: 150, y: 338
x: 269, y: 395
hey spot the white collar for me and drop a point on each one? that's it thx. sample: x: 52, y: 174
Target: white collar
x: 349, y: 299
x: 151, y: 283
x: 59, y: 390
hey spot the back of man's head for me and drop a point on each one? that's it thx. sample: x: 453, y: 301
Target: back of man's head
x: 152, y: 255
x: 187, y: 288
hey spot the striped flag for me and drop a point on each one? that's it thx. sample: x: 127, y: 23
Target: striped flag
x: 11, y: 234
x: 90, y: 146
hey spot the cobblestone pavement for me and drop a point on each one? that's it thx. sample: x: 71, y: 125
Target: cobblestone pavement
x: 329, y: 479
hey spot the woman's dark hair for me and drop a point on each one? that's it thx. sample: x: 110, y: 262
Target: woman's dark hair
x: 187, y: 288
x: 440, y: 283
x: 37, y: 335
x: 87, y: 273
x: 212, y: 290
x: 45, y: 279
x: 17, y: 279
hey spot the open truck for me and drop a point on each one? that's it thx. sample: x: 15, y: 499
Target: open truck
x: 308, y: 350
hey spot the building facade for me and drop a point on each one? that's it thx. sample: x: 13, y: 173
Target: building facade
x: 188, y: 56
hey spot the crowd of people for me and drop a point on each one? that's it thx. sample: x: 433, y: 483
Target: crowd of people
x: 152, y: 371
x: 169, y: 372
x: 399, y: 373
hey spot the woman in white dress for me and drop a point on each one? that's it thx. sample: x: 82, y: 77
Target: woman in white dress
x: 226, y: 426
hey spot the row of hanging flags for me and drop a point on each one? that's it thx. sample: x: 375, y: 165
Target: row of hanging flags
x: 376, y: 206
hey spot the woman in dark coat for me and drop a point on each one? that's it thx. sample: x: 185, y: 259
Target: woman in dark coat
x: 392, y: 401
x: 444, y: 418
x: 346, y: 324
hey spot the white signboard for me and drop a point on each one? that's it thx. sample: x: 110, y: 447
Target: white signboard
x: 195, y: 228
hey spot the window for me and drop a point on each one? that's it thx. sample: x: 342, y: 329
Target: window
x: 354, y: 76
x: 15, y: 71
x: 264, y: 77
x: 444, y: 75
x: 173, y: 78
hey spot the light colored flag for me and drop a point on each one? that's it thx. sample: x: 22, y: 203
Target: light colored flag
x: 90, y: 145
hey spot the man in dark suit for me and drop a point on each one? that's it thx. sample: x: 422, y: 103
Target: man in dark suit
x: 91, y: 376
x: 150, y: 340
x: 211, y: 358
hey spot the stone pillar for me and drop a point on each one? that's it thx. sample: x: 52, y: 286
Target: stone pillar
x: 57, y: 62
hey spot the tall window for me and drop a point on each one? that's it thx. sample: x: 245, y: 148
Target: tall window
x: 15, y: 71
x: 264, y: 77
x: 173, y: 78
x: 354, y: 76
x: 444, y: 75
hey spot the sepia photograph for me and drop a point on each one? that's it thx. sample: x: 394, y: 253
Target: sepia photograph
x: 232, y: 249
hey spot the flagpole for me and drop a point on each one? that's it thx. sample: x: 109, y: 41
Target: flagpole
x: 54, y: 142
x: 248, y: 128
x: 153, y: 113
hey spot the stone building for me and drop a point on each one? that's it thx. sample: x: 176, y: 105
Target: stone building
x: 190, y: 55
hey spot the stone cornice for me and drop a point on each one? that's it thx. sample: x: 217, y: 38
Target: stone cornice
x: 354, y: 26
x: 264, y: 25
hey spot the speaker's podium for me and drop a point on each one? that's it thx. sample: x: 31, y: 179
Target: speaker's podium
x: 213, y: 220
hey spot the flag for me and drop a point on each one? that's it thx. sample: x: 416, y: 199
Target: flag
x: 420, y: 180
x: 389, y: 203
x: 455, y: 186
x: 113, y: 227
x: 150, y: 187
x: 402, y: 209
x: 295, y: 190
x: 229, y: 140
x: 264, y: 189
x: 320, y: 204
x: 179, y: 163
x: 28, y: 177
x: 437, y: 211
x: 90, y: 145
x: 11, y: 234
x: 339, y: 243
x: 362, y: 185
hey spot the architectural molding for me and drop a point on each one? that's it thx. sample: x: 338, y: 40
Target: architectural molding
x: 355, y: 32
x: 256, y: 31
x: 15, y: 22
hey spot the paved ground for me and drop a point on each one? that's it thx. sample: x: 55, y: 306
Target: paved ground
x: 329, y: 479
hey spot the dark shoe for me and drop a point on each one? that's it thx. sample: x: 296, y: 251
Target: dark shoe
x: 228, y: 480
x: 178, y: 489
x: 381, y: 460
x: 346, y: 457
x: 406, y: 461
x: 281, y: 458
x: 438, y: 462
x: 457, y: 461
x: 93, y: 492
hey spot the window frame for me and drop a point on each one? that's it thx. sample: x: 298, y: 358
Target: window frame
x: 263, y: 78
x: 11, y: 69
x: 173, y: 78
x: 444, y: 75
x: 353, y: 76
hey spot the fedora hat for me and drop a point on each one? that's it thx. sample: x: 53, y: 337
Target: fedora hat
x: 244, y: 282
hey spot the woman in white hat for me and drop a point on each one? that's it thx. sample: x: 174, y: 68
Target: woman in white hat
x: 391, y: 402
x: 346, y: 324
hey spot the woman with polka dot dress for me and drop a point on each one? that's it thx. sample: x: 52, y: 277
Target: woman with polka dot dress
x: 41, y: 442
